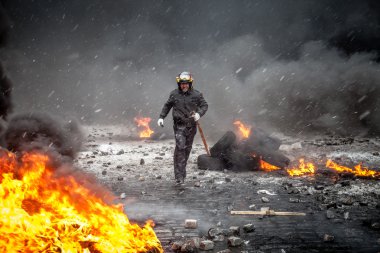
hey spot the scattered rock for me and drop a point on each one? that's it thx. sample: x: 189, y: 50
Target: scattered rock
x: 218, y: 238
x: 158, y: 158
x: 121, y: 151
x: 197, y: 184
x: 227, y: 179
x: 330, y: 214
x: 328, y: 238
x: 264, y: 200
x: 234, y: 241
x: 206, y: 245
x: 159, y: 177
x: 120, y: 178
x: 90, y: 162
x: 189, y: 247
x: 294, y: 200
x: 346, y: 215
x: 319, y: 187
x: 348, y: 201
x: 123, y: 195
x: 213, y: 232
x: 176, y: 246
x: 375, y: 225
x: 162, y: 154
x: 251, y: 207
x: 235, y: 230
x: 142, y: 161
x: 248, y: 228
x: 225, y: 251
x: 104, y: 172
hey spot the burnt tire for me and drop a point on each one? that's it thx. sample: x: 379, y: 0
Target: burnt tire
x: 206, y: 162
x: 276, y: 158
x: 223, y: 145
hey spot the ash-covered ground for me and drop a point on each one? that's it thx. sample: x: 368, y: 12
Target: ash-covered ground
x: 342, y: 213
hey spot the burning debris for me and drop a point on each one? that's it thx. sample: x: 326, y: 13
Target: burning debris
x: 143, y: 124
x: 43, y: 211
x: 254, y: 149
x: 259, y: 151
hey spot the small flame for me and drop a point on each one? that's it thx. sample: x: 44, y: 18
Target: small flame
x: 42, y: 211
x: 144, y: 124
x: 244, y: 131
x: 303, y: 169
x: 359, y: 170
x: 267, y: 166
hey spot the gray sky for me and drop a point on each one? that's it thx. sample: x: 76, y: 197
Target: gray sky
x: 294, y: 65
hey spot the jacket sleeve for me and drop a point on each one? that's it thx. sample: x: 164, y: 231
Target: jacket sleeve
x: 202, y: 105
x: 167, y: 106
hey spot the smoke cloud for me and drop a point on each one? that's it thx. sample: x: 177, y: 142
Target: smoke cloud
x: 41, y: 132
x: 296, y: 66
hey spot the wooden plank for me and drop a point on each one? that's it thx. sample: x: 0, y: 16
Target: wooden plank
x: 268, y: 213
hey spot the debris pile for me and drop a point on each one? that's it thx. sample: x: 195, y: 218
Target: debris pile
x: 244, y: 155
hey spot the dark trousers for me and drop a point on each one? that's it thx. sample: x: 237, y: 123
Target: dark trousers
x: 184, y: 137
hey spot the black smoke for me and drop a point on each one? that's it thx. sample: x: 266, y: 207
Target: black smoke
x: 5, y: 82
x: 294, y: 65
x: 43, y: 133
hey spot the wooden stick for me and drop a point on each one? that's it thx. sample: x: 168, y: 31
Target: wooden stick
x: 268, y: 212
x: 203, y: 138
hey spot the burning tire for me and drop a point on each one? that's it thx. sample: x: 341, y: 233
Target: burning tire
x: 206, y: 162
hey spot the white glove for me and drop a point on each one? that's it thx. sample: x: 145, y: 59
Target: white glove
x: 160, y: 122
x: 196, y: 116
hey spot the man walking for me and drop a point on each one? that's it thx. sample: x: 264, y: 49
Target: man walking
x: 188, y: 106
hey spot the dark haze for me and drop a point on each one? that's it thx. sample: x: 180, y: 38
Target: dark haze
x: 41, y: 132
x: 296, y: 65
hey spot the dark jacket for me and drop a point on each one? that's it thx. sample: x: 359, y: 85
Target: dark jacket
x: 184, y: 103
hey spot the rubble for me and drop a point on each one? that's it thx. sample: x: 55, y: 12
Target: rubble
x: 328, y: 238
x: 206, y: 245
x: 248, y: 228
x: 235, y: 230
x: 234, y: 241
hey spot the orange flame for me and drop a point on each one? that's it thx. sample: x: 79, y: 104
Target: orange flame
x: 267, y: 166
x: 245, y: 131
x: 45, y: 212
x: 303, y: 169
x: 359, y: 170
x: 144, y: 123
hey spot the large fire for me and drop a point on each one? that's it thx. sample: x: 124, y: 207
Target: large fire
x: 304, y: 168
x: 143, y: 123
x: 45, y: 212
x: 359, y: 170
x: 244, y: 130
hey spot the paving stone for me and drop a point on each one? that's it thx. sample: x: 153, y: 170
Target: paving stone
x: 177, y: 245
x: 191, y: 223
x: 234, y: 241
x: 206, y: 245
x: 328, y: 238
x: 330, y: 214
x: 235, y: 230
x: 248, y: 228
